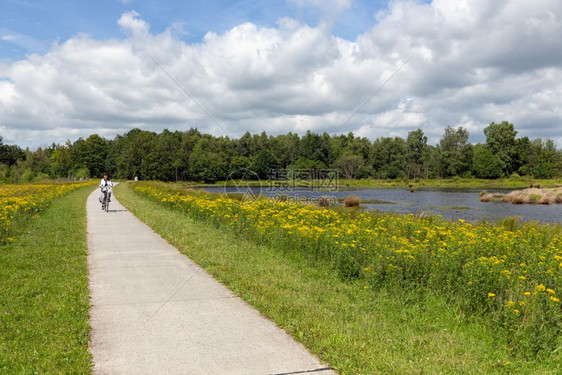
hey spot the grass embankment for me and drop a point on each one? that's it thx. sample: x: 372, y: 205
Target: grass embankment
x: 457, y: 183
x: 355, y: 327
x: 453, y: 183
x: 44, y: 296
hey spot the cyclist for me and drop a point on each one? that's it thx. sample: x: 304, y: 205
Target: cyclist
x: 105, y: 185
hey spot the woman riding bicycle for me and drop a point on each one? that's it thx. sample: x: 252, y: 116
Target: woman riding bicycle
x: 106, y: 185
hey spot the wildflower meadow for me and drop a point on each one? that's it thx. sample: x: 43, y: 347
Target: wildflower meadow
x: 18, y: 202
x: 510, y: 275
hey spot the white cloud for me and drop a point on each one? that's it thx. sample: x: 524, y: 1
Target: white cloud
x: 133, y: 25
x: 473, y: 62
x: 23, y: 41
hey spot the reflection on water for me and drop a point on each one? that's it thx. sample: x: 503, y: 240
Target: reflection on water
x: 450, y: 203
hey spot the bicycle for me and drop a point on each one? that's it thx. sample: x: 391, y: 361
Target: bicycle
x: 106, y: 198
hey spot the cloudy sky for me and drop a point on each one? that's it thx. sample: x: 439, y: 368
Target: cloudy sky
x: 71, y: 68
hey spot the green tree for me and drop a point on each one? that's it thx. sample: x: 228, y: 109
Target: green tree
x: 285, y: 148
x: 388, y: 157
x: 500, y: 138
x: 433, y: 168
x: 10, y: 154
x: 149, y: 168
x: 358, y: 146
x: 189, y: 139
x: 350, y: 166
x: 62, y: 163
x: 486, y: 164
x: 168, y: 155
x: 523, y: 150
x: 261, y: 142
x: 131, y: 149
x: 456, y: 152
x: 337, y: 146
x: 542, y: 160
x: 245, y: 145
x: 416, y: 144
x: 95, y: 155
x: 264, y: 162
x: 238, y: 165
x: 314, y: 147
x: 205, y: 163
x: 307, y: 164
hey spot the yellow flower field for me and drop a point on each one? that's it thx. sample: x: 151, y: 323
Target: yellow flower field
x: 513, y: 277
x: 18, y: 201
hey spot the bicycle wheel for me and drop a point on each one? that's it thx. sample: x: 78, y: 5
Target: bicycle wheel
x: 106, y: 199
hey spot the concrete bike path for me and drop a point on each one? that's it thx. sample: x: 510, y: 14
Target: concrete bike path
x: 156, y: 312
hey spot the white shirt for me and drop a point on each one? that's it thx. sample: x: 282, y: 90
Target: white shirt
x: 106, y: 184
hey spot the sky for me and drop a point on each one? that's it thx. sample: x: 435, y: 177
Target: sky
x: 72, y: 68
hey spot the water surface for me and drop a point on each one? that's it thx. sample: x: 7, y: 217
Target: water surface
x: 452, y: 204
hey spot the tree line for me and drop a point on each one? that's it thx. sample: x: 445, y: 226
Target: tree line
x: 192, y: 155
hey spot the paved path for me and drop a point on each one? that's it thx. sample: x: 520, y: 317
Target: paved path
x: 155, y: 312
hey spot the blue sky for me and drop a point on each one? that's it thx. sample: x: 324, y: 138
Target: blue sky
x: 69, y: 69
x: 30, y: 26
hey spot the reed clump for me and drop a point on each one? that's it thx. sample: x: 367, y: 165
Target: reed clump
x: 526, y: 196
x: 351, y: 201
x: 491, y: 197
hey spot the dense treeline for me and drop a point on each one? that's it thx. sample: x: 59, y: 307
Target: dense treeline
x: 191, y: 155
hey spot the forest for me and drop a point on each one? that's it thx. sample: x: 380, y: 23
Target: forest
x: 193, y: 156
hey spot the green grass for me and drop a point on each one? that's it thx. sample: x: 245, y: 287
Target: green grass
x: 355, y: 329
x: 456, y: 183
x: 44, y: 298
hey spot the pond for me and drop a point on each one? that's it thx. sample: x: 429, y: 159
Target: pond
x: 452, y: 204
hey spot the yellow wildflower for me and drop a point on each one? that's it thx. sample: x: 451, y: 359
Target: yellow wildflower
x: 540, y: 288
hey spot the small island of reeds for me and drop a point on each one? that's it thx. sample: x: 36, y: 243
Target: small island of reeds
x: 526, y: 196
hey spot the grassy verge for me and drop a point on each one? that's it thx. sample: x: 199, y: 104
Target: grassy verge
x: 355, y: 329
x: 455, y: 183
x: 44, y: 296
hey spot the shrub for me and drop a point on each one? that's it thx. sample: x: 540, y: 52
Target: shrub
x: 351, y: 201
